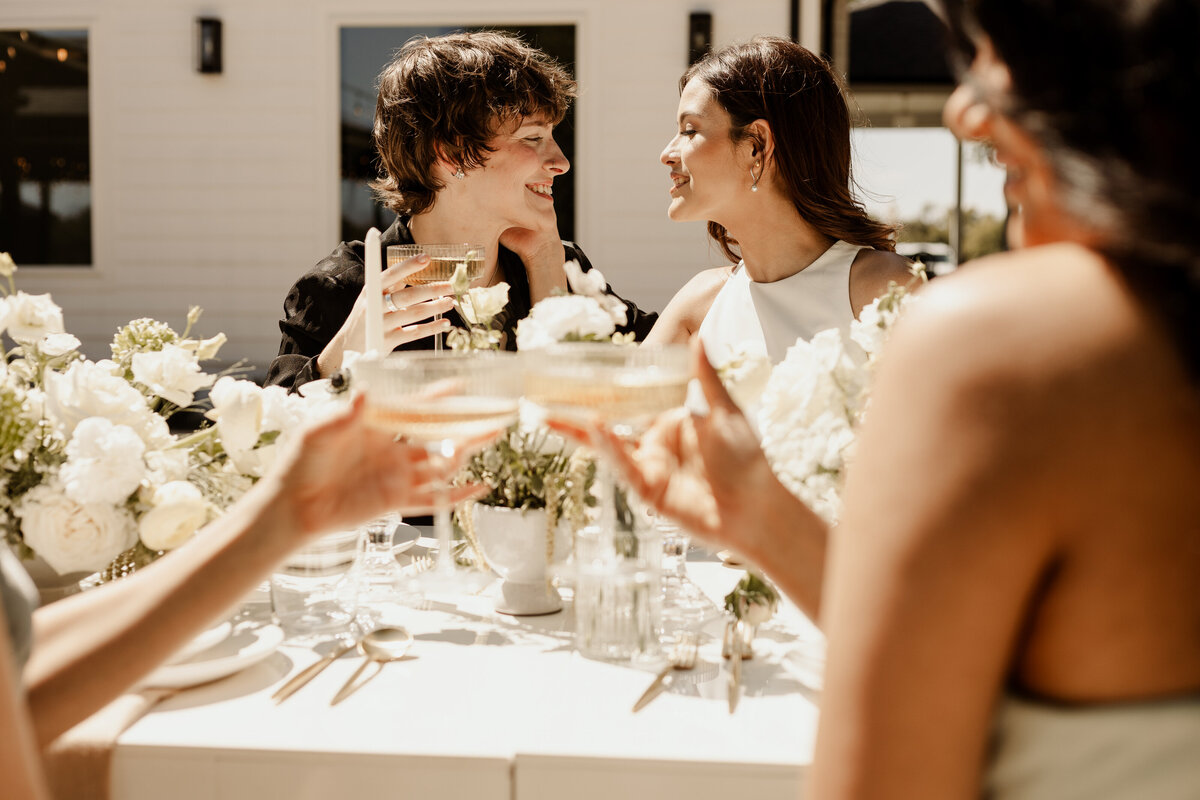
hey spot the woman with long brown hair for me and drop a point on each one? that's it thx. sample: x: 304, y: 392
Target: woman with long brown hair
x: 763, y: 155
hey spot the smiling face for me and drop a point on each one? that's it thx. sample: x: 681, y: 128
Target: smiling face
x: 1030, y: 186
x: 708, y: 172
x: 514, y: 187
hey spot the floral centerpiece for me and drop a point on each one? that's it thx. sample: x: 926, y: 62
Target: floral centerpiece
x: 90, y: 469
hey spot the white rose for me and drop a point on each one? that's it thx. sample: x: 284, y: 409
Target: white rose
x: 88, y: 389
x: 179, y: 511
x: 104, y: 462
x: 172, y: 373
x: 556, y: 318
x: 592, y: 284
x: 483, y: 303
x: 238, y: 411
x: 71, y: 537
x: 29, y: 318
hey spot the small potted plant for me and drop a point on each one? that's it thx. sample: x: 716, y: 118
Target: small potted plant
x: 540, y: 495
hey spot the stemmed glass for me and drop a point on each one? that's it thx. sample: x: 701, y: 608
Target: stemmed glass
x: 444, y: 259
x: 440, y: 400
x: 623, y: 386
x: 617, y: 589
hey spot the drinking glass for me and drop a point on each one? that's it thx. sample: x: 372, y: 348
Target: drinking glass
x: 439, y: 399
x: 685, y: 606
x: 618, y: 559
x: 444, y: 259
x: 305, y: 593
x: 375, y: 588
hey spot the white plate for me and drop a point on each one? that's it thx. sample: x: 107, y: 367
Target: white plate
x: 204, y: 640
x: 246, y: 647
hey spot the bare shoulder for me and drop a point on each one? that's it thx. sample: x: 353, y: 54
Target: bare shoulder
x: 872, y: 272
x: 1050, y: 332
x: 683, y: 315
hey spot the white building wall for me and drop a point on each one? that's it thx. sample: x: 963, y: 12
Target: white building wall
x: 218, y: 190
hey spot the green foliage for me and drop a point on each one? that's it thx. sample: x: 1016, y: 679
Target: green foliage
x: 533, y: 469
x: 751, y: 590
x: 983, y: 234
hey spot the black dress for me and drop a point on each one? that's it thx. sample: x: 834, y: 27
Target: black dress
x: 320, y: 301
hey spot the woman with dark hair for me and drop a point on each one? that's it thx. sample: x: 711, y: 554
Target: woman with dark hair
x: 464, y: 127
x: 1011, y: 602
x: 763, y: 154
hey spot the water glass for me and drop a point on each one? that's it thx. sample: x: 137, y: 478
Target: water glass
x: 304, y: 589
x: 618, y: 596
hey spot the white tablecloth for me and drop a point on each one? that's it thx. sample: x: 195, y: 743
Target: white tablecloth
x: 489, y: 706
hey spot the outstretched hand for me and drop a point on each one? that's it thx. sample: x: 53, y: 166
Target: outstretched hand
x: 707, y: 472
x: 344, y: 472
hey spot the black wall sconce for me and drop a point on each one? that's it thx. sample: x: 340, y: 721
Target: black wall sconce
x: 699, y: 35
x: 208, y: 45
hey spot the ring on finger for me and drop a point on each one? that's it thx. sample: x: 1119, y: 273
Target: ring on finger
x: 390, y: 303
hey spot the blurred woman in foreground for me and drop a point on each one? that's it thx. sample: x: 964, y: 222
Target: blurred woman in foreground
x: 1010, y: 596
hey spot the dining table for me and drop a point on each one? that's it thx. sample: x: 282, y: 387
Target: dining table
x: 490, y: 706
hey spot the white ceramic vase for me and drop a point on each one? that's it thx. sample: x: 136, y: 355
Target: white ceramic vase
x: 514, y: 544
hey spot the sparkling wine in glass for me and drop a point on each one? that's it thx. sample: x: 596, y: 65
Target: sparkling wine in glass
x: 440, y: 399
x: 444, y: 259
x: 617, y: 591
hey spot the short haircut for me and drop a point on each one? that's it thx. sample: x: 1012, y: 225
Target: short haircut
x: 444, y: 98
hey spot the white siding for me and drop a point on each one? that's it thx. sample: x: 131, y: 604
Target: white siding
x: 218, y: 190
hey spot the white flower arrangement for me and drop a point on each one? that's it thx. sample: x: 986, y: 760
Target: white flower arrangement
x: 89, y: 467
x: 815, y: 400
x: 588, y: 314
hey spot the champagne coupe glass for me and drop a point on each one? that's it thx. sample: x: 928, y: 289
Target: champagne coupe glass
x: 444, y: 259
x: 439, y: 400
x: 617, y: 579
x: 624, y: 386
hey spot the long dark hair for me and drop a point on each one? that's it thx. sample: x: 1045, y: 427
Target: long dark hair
x: 1110, y: 91
x: 797, y: 93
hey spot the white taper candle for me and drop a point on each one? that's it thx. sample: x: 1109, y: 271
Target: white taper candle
x: 374, y: 290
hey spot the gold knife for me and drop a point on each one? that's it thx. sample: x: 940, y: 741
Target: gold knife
x: 654, y: 689
x: 308, y: 673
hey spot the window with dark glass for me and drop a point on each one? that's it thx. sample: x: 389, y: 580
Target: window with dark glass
x: 45, y: 185
x: 364, y: 52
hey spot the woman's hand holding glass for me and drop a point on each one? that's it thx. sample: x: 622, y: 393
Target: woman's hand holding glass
x: 707, y: 472
x: 408, y: 314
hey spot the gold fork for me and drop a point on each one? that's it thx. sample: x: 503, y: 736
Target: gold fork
x: 683, y: 657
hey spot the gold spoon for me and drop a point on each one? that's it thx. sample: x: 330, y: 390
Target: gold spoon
x: 380, y: 646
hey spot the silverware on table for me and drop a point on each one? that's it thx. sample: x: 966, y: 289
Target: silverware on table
x: 311, y: 671
x: 735, y: 645
x: 380, y: 646
x: 683, y: 657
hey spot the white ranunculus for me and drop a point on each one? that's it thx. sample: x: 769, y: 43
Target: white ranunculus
x: 482, y: 303
x: 58, y: 344
x: 29, y: 318
x: 104, y: 462
x: 560, y: 317
x: 91, y: 389
x: 172, y: 373
x: 179, y: 510
x: 71, y: 537
x: 238, y: 411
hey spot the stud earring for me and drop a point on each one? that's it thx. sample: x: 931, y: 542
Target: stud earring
x: 754, y: 186
x: 460, y: 174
